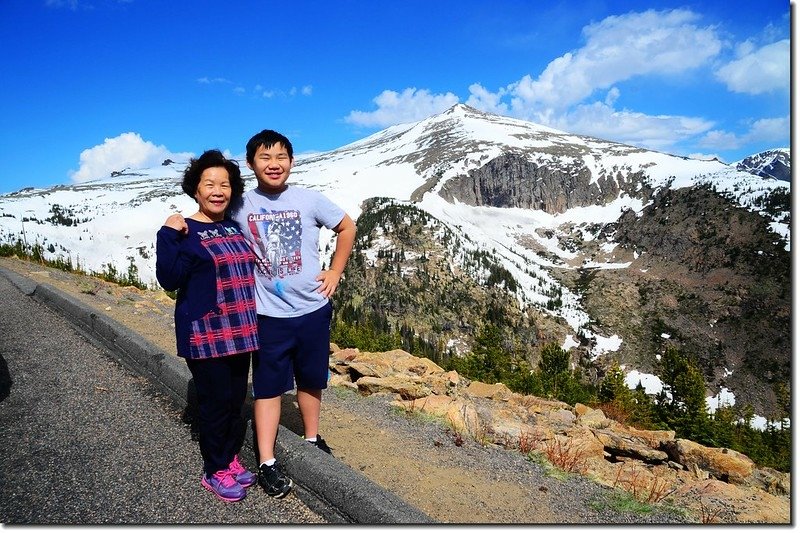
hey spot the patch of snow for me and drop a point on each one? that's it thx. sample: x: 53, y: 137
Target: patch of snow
x: 569, y: 342
x: 724, y: 398
x: 606, y: 266
x: 652, y: 384
x: 759, y: 422
x: 604, y: 345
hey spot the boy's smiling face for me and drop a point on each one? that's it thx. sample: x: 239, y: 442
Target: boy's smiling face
x: 271, y: 167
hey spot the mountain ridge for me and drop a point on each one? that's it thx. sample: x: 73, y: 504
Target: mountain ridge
x: 542, y: 202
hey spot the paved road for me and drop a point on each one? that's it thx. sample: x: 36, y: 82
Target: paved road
x: 83, y: 440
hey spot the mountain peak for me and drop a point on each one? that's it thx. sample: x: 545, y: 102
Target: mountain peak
x: 464, y: 109
x: 774, y: 164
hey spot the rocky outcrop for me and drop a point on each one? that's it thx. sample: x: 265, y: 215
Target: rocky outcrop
x: 716, y: 484
x: 511, y: 180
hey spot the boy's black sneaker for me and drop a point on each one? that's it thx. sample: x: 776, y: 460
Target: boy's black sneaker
x: 274, y: 482
x: 322, y: 445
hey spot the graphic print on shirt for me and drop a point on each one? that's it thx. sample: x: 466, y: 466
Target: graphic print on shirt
x: 279, y: 236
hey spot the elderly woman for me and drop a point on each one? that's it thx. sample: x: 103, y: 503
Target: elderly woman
x: 207, y: 260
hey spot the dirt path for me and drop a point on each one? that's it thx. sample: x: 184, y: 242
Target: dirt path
x: 420, y: 460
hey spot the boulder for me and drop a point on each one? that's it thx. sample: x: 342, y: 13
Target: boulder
x: 460, y: 414
x: 648, y: 464
x: 619, y: 445
x: 656, y: 439
x: 722, y: 463
x: 715, y: 501
x: 592, y: 418
x: 560, y: 417
x: 771, y: 481
x: 406, y: 388
x: 498, y: 391
x: 370, y: 368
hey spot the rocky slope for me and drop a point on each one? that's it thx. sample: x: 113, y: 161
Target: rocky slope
x: 714, y: 484
x: 705, y: 275
x: 512, y: 180
x: 412, y: 274
x: 708, y: 277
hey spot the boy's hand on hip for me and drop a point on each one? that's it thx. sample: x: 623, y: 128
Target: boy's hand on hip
x: 329, y: 281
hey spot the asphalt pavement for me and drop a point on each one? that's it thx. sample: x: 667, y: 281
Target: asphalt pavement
x: 95, y: 428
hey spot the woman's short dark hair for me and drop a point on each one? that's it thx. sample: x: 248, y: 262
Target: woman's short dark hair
x: 267, y: 138
x: 211, y: 159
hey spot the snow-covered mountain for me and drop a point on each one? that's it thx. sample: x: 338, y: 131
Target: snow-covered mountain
x: 114, y: 220
x: 776, y: 164
x: 523, y: 190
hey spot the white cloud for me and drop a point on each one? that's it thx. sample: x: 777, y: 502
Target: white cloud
x: 205, y: 80
x: 721, y: 140
x: 760, y: 131
x: 654, y: 132
x: 409, y: 106
x: 704, y: 156
x: 292, y: 92
x: 127, y: 150
x: 617, y: 49
x: 770, y: 129
x: 485, y: 100
x: 581, y: 90
x: 612, y: 96
x: 758, y: 71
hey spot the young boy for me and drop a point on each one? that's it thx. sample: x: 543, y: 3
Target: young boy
x: 282, y: 223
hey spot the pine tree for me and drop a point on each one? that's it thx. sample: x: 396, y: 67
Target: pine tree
x: 682, y: 402
x: 554, y: 369
x: 643, y: 414
x: 613, y: 387
x: 614, y: 395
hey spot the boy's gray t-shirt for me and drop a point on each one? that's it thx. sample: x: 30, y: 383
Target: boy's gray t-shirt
x: 284, y: 230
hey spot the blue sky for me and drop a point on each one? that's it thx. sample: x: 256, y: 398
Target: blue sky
x: 92, y: 86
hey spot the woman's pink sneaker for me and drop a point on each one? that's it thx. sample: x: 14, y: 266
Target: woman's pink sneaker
x: 243, y: 476
x: 224, y: 486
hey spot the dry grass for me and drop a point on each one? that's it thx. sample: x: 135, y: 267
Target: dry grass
x: 566, y: 455
x: 648, y: 489
x: 527, y: 442
x: 708, y: 515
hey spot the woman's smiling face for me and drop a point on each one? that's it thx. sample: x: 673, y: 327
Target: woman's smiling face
x: 213, y: 193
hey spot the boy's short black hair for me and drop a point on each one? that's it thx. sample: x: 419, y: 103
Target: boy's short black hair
x: 211, y: 159
x: 267, y: 138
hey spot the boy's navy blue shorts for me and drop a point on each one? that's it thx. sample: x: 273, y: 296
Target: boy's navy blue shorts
x: 292, y: 350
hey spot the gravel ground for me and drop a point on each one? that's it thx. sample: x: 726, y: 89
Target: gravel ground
x: 86, y: 441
